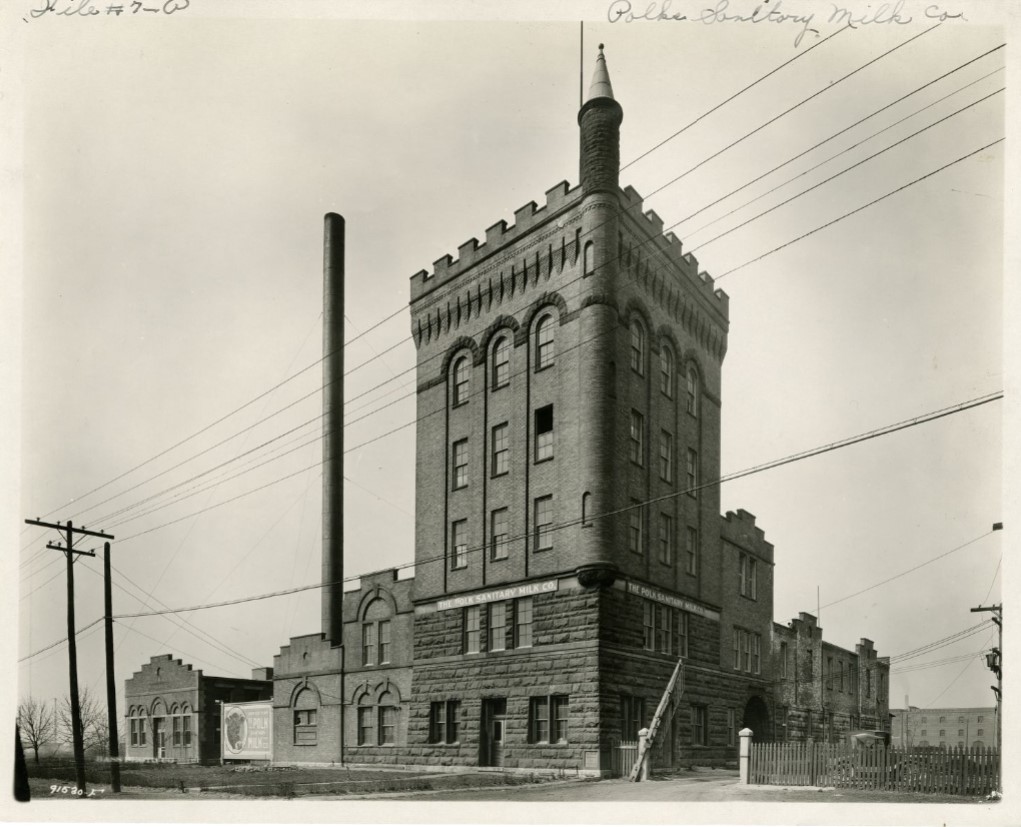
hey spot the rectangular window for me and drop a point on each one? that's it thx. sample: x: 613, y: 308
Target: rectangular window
x: 746, y: 647
x: 636, y: 540
x: 305, y: 727
x: 548, y: 719
x: 364, y: 725
x: 748, y: 576
x: 632, y: 717
x: 737, y: 648
x: 559, y: 708
x: 698, y: 725
x: 499, y: 537
x: 497, y: 627
x: 649, y: 625
x: 438, y: 722
x: 691, y: 551
x: 666, y: 539
x: 460, y: 463
x: 186, y: 721
x: 544, y: 433
x: 132, y: 723
x: 141, y: 732
x: 175, y: 725
x: 692, y: 472
x: 829, y: 672
x: 384, y: 641
x: 868, y: 683
x: 680, y: 633
x: 523, y: 622
x: 472, y: 630
x: 387, y: 725
x: 459, y: 544
x: 664, y: 629
x: 637, y: 449
x: 783, y: 659
x: 544, y: 523
x: 368, y: 644
x: 501, y: 449
x: 731, y: 728
x: 666, y: 456
x: 453, y: 722
x: 756, y: 654
x: 539, y: 723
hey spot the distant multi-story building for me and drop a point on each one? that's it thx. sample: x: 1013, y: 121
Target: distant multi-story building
x: 949, y: 727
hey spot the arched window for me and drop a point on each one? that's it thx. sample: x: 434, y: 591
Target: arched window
x: 544, y: 343
x: 588, y: 259
x: 501, y: 362
x: 365, y: 722
x: 637, y: 347
x: 666, y: 370
x: 387, y: 715
x: 306, y: 718
x: 461, y: 368
x: 185, y: 725
x: 586, y: 508
x: 175, y: 726
x: 376, y: 633
x: 692, y: 392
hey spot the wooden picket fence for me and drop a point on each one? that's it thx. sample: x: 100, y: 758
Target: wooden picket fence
x: 950, y: 770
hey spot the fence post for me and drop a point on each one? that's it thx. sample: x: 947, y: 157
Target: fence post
x: 643, y: 736
x: 744, y: 753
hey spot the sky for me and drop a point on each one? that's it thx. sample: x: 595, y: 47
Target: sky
x: 171, y: 173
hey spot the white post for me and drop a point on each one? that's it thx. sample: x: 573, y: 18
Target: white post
x: 745, y: 751
x: 643, y: 735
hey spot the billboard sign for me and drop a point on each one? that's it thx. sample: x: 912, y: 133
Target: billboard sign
x: 247, y: 731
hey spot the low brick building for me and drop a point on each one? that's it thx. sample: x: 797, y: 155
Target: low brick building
x: 823, y: 692
x: 172, y: 712
x: 318, y: 715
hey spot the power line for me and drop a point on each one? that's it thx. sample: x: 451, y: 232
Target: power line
x: 918, y: 420
x: 858, y: 210
x: 62, y: 640
x: 932, y: 703
x: 908, y: 571
x: 732, y: 97
x: 942, y: 642
x: 838, y: 134
x: 841, y: 172
x: 402, y: 308
x: 786, y: 112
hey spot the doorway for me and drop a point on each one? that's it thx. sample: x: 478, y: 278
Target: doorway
x: 159, y: 736
x: 494, y: 725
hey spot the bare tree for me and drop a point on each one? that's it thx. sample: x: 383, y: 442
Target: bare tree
x: 36, y: 724
x: 95, y: 728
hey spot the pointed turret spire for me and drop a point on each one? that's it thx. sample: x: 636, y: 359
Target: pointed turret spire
x: 600, y: 87
x: 599, y: 119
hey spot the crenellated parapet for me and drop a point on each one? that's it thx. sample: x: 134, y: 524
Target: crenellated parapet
x: 738, y: 527
x: 652, y: 241
x: 498, y: 237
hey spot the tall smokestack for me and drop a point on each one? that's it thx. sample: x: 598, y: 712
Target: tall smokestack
x: 333, y: 427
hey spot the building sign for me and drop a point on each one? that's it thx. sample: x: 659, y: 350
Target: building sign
x: 671, y: 600
x: 247, y: 731
x: 510, y: 593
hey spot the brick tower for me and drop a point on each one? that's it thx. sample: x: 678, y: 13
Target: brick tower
x: 566, y: 553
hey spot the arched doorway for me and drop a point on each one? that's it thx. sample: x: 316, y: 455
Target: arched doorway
x: 756, y: 718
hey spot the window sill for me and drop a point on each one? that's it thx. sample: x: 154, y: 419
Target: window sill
x: 543, y: 459
x: 499, y: 474
x: 541, y: 368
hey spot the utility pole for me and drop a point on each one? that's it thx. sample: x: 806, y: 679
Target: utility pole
x: 111, y: 684
x: 994, y: 662
x: 72, y: 650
